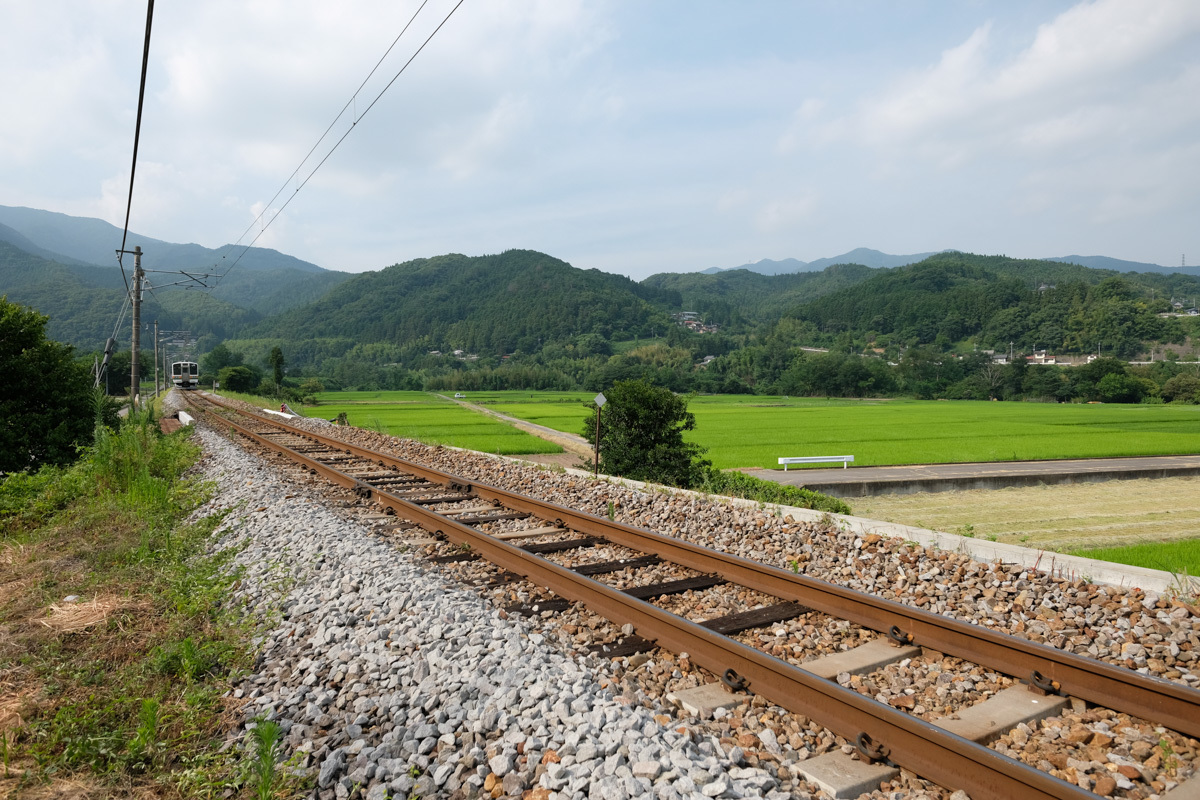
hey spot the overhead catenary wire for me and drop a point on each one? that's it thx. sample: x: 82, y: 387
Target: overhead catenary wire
x: 338, y: 143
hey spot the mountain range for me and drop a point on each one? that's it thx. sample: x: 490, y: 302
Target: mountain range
x: 84, y: 240
x: 524, y: 302
x: 878, y: 260
x: 861, y: 255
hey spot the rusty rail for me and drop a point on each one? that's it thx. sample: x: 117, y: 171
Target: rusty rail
x: 905, y: 740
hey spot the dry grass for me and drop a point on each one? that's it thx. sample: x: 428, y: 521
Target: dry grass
x: 78, y: 616
x: 1064, y: 517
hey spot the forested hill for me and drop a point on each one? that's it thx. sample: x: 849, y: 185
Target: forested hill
x: 488, y: 305
x: 733, y: 298
x: 84, y: 302
x: 64, y: 267
x: 993, y: 300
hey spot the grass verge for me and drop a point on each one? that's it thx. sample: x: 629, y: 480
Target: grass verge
x: 115, y: 651
x: 1181, y: 558
x: 739, y: 484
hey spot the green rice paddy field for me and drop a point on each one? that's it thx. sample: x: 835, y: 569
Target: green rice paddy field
x: 430, y: 419
x: 741, y: 431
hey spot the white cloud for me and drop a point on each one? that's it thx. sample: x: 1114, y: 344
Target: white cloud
x: 1078, y: 76
x: 483, y: 141
x: 589, y: 126
x: 784, y: 213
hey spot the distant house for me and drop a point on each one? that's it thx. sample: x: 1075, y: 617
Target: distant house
x: 1041, y: 357
x: 691, y: 320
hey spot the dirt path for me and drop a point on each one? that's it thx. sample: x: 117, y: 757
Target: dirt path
x: 575, y: 447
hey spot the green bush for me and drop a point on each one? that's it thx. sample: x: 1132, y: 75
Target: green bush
x: 739, y: 484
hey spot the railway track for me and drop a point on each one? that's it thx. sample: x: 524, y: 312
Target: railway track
x: 950, y: 752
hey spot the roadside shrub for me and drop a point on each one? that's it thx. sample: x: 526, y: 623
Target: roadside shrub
x: 739, y: 484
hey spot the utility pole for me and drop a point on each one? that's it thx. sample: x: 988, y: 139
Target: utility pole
x: 156, y: 358
x: 134, y: 374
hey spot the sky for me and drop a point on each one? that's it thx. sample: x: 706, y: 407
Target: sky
x: 630, y: 136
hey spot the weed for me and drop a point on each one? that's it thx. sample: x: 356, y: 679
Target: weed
x: 794, y: 563
x: 967, y: 530
x: 185, y: 659
x: 145, y: 744
x: 147, y: 683
x: 266, y: 735
x: 1167, y: 752
x: 991, y: 537
x: 465, y: 547
x: 1184, y: 587
x: 414, y: 771
x: 612, y: 511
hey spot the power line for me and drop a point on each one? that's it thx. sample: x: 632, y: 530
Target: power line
x: 131, y: 292
x: 137, y: 133
x: 338, y: 143
x: 349, y: 103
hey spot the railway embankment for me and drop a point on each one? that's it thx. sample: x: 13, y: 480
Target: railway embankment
x: 390, y: 677
x: 389, y: 681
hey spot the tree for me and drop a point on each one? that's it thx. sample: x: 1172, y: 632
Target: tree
x: 641, y: 435
x: 46, y: 401
x: 1183, y: 388
x: 238, y: 379
x: 275, y: 359
x: 116, y: 380
x: 219, y: 358
x: 311, y: 386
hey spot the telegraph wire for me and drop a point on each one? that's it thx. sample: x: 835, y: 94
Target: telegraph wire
x: 337, y: 144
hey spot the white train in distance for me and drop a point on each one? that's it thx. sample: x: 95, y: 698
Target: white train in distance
x: 184, y: 374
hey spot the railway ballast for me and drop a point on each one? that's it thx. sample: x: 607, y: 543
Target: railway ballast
x: 1091, y: 748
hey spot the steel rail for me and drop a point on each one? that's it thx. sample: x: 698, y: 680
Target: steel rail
x: 900, y: 739
x: 1166, y: 703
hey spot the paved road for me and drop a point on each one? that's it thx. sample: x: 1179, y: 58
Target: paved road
x: 861, y: 481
